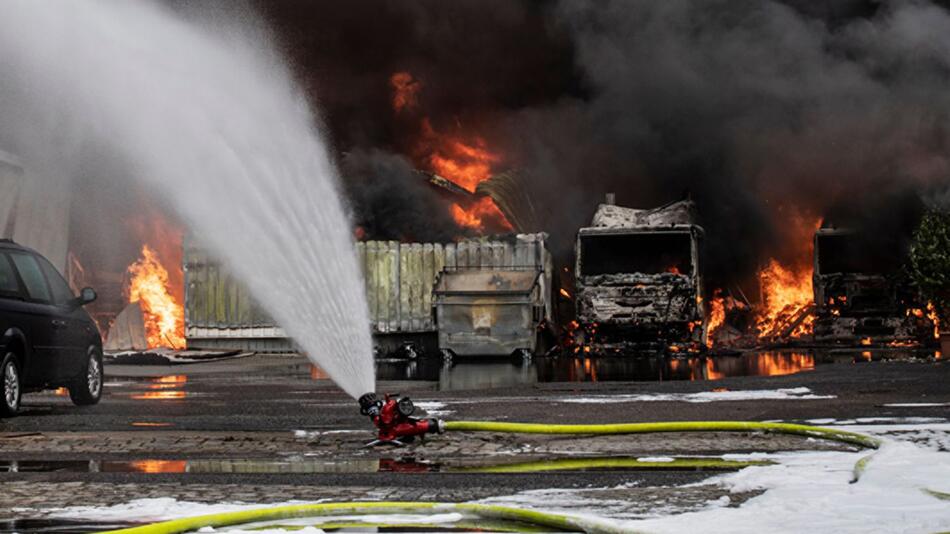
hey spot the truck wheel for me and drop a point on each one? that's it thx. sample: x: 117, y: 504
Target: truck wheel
x: 87, y: 389
x: 11, y: 385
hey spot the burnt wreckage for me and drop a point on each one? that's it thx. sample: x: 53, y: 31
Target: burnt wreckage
x: 862, y: 293
x: 638, y: 280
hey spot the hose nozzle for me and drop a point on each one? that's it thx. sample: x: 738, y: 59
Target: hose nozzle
x: 370, y: 404
x: 393, y: 418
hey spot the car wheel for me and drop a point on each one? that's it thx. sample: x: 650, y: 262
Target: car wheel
x: 88, y: 388
x: 11, y: 385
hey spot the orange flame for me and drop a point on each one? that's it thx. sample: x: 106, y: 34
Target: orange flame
x: 717, y: 316
x: 466, y: 165
x: 784, y: 293
x: 159, y: 466
x: 932, y: 315
x: 405, y: 89
x: 463, y: 160
x: 164, y: 315
x: 787, y: 289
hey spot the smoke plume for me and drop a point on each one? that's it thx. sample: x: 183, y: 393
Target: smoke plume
x: 762, y: 111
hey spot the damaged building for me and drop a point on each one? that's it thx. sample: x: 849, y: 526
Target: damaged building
x: 638, y: 279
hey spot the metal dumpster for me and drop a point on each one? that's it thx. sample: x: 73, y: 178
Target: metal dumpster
x: 489, y: 313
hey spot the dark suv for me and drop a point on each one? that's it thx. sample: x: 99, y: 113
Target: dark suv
x: 48, y: 340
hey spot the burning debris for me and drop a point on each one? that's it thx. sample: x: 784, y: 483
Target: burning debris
x: 154, y: 317
x: 463, y: 160
x: 164, y: 314
x: 853, y: 292
x: 507, y: 159
x: 786, y: 310
x: 863, y: 295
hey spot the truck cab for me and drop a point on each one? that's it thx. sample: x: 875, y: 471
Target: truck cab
x: 862, y: 294
x: 638, y: 280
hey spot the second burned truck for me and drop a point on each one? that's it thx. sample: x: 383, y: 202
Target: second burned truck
x: 638, y: 280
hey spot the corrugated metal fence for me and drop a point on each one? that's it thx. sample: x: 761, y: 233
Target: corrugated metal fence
x: 399, y: 280
x: 400, y: 276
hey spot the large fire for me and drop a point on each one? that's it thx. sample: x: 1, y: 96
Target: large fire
x: 466, y: 161
x: 163, y: 313
x: 787, y: 289
x: 785, y: 292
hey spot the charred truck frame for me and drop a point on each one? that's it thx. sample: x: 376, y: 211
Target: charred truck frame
x: 862, y: 294
x: 638, y: 280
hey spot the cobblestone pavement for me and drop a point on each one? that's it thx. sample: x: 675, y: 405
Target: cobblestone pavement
x: 203, y: 425
x: 455, y: 445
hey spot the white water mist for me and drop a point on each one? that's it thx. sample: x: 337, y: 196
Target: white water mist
x: 214, y: 123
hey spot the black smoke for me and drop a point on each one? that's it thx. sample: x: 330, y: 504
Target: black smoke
x: 761, y: 111
x: 391, y: 201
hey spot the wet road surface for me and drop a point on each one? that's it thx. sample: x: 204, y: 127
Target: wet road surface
x: 271, y: 429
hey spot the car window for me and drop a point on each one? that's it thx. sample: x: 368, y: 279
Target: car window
x: 62, y: 293
x: 31, y: 275
x: 9, y: 286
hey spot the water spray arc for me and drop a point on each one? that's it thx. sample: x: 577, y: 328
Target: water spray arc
x: 210, y: 120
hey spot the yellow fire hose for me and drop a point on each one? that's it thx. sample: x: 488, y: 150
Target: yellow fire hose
x: 561, y: 522
x: 841, y: 436
x: 480, y: 525
x: 579, y: 464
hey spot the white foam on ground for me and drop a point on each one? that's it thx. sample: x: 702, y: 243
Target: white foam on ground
x: 917, y: 404
x: 800, y: 393
x: 890, y: 421
x: 309, y: 434
x: 804, y: 491
x: 813, y: 492
x: 934, y: 436
x: 900, y: 420
x: 434, y: 408
x: 305, y: 530
x: 315, y: 522
x: 151, y: 510
x: 826, y: 421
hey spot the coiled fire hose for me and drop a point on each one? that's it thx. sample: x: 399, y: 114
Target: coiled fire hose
x: 561, y: 522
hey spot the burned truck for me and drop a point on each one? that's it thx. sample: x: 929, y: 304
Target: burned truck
x: 638, y: 280
x: 862, y: 294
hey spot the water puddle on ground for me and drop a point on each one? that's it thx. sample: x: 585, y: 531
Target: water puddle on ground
x: 461, y: 374
x: 365, y: 465
x: 60, y: 526
x: 151, y: 424
x: 156, y: 388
